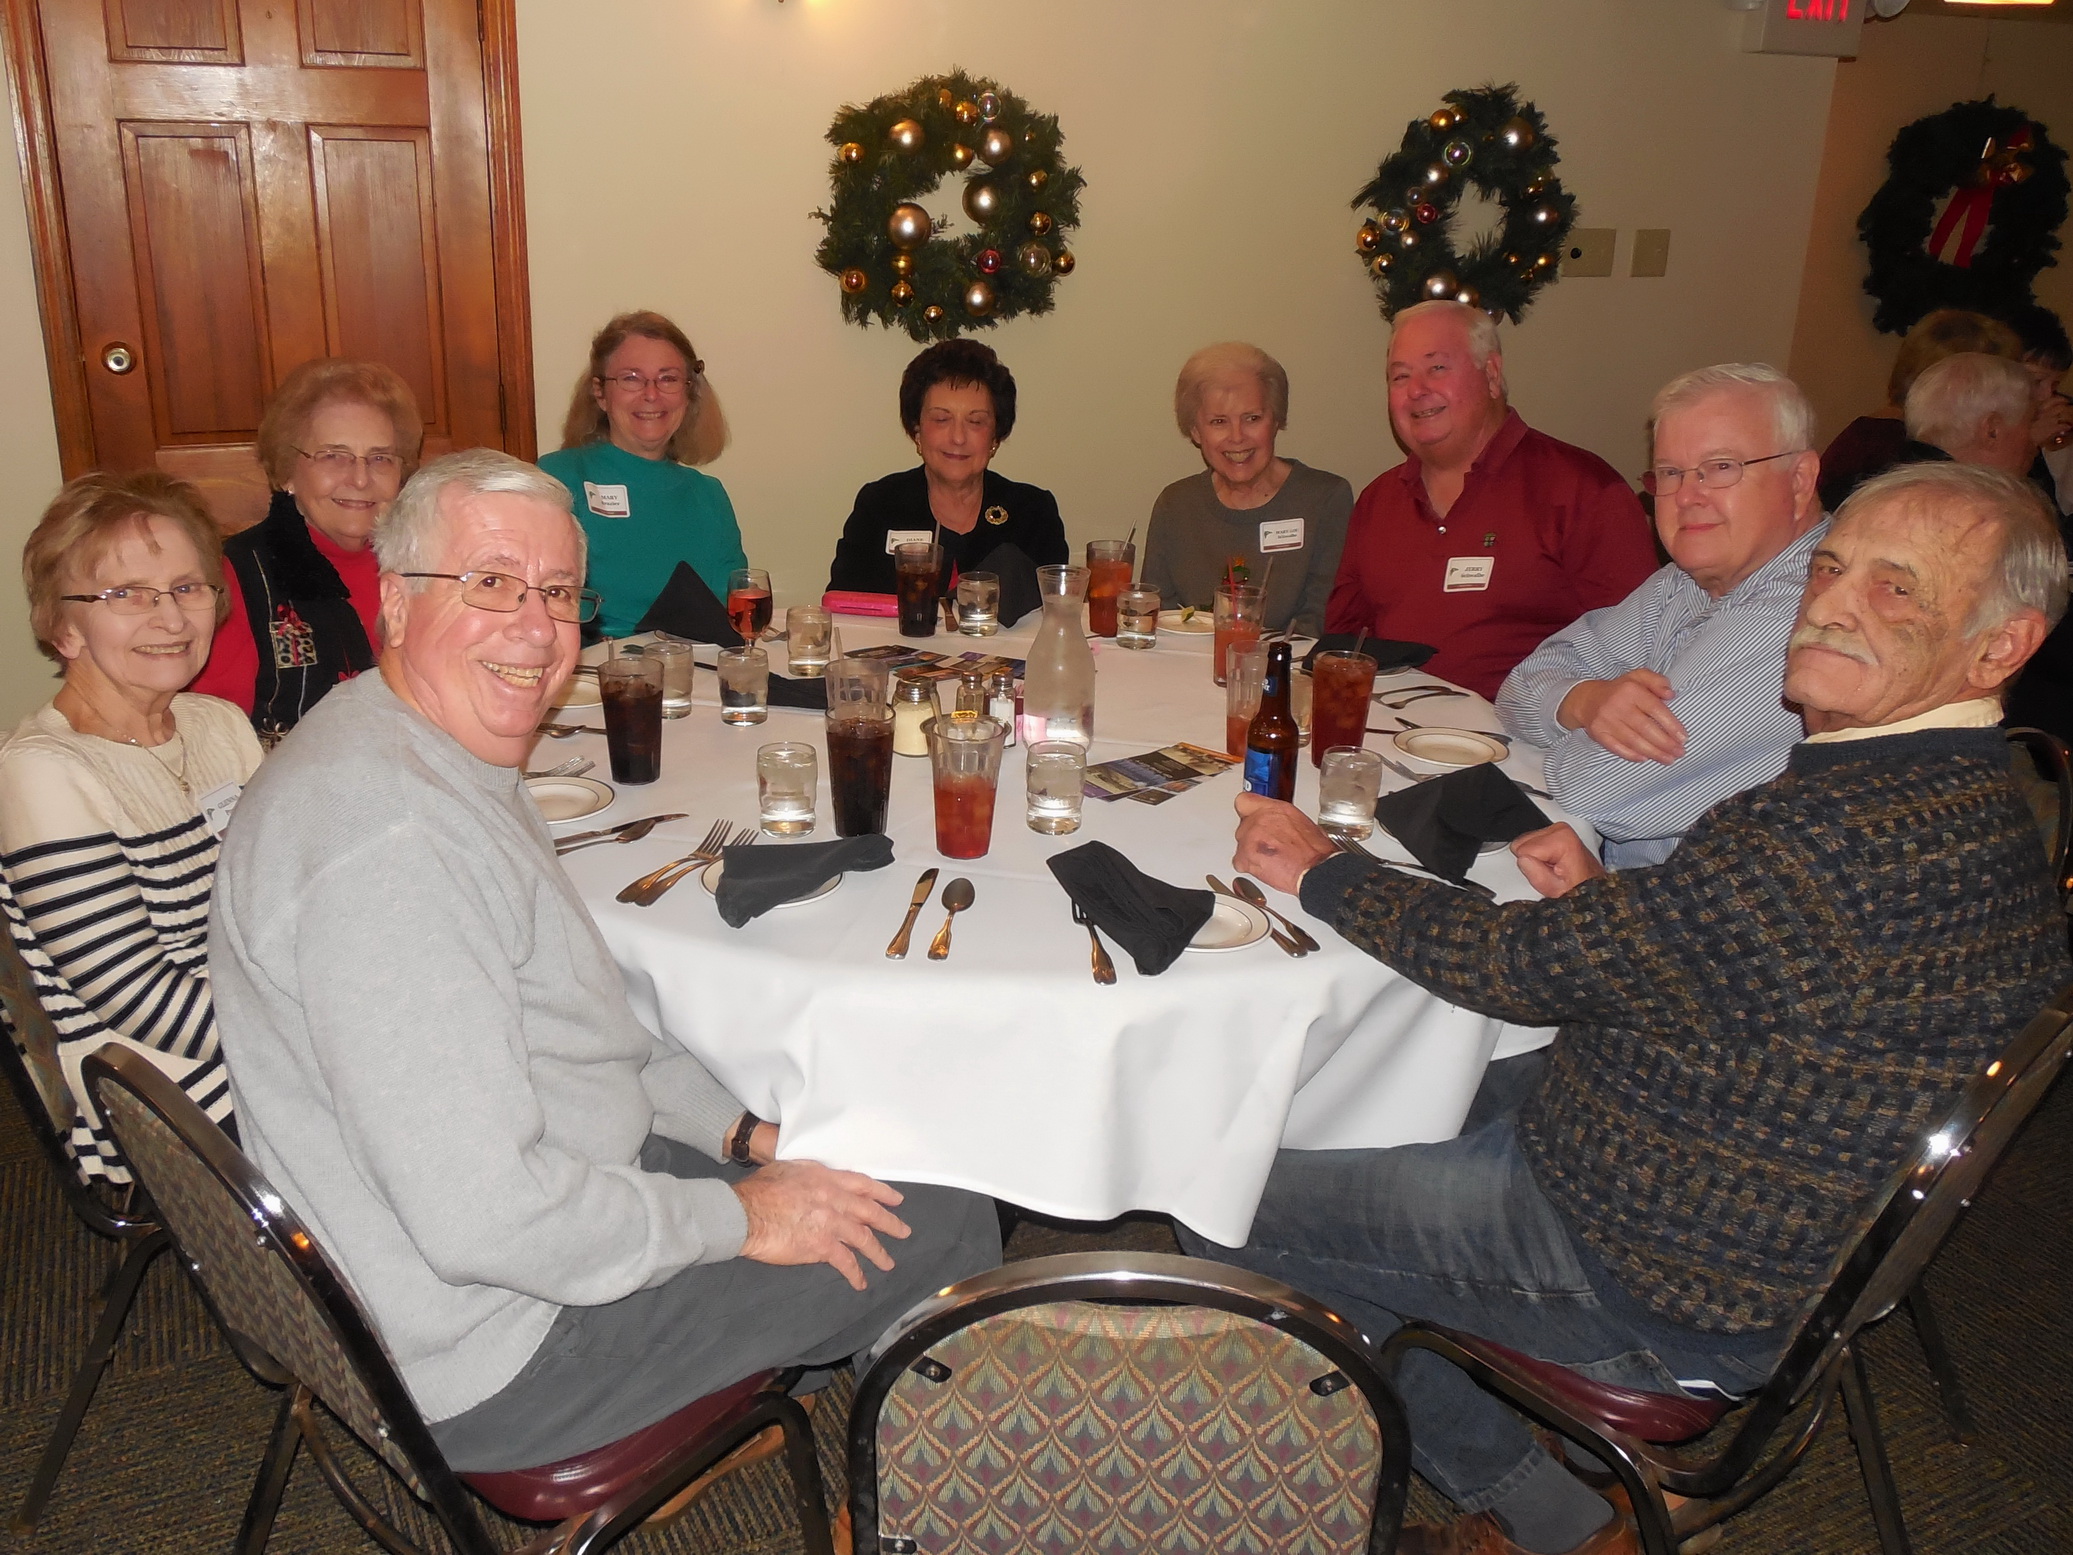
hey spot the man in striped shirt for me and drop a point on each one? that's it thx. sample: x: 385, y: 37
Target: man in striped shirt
x: 1655, y: 709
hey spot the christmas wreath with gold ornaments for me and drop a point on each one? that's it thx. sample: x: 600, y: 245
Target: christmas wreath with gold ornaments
x: 894, y: 261
x: 1484, y: 139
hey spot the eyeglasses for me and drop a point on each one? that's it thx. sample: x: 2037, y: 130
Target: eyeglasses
x: 340, y: 461
x: 135, y: 599
x: 668, y: 385
x: 501, y: 592
x: 1713, y: 474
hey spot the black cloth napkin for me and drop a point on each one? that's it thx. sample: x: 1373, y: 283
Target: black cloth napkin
x: 1390, y: 656
x: 785, y: 692
x: 758, y: 879
x: 687, y: 608
x: 1149, y: 918
x: 1444, y: 821
x: 1019, y: 596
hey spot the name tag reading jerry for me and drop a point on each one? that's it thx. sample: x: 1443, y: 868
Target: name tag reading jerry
x: 607, y: 501
x: 1282, y: 534
x: 895, y: 538
x: 1468, y: 574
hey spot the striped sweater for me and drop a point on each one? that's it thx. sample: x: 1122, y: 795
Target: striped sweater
x: 1754, y: 1032
x: 106, y: 862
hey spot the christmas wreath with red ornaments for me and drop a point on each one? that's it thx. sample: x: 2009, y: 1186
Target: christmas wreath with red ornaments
x: 1968, y: 216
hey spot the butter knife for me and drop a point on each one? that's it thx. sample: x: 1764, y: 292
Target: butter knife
x: 613, y: 831
x: 897, y: 950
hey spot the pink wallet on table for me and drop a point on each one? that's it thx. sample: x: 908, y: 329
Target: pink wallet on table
x: 846, y: 602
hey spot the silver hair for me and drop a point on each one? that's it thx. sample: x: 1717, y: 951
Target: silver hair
x: 2030, y: 571
x: 1481, y: 328
x: 405, y: 539
x: 1212, y: 363
x: 1951, y: 400
x: 1792, y: 417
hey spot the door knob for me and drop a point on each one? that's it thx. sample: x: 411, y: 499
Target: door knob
x: 119, y: 359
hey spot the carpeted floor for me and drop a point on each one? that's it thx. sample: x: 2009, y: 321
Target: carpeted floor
x: 164, y: 1461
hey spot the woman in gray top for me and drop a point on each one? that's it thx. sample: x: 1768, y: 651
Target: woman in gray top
x: 1249, y: 504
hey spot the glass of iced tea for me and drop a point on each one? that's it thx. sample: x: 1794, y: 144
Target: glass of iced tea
x: 1109, y: 565
x: 1241, y: 615
x: 1245, y: 678
x: 1340, y: 685
x: 860, y: 765
x: 748, y: 602
x: 917, y: 575
x: 965, y: 761
x: 631, y: 688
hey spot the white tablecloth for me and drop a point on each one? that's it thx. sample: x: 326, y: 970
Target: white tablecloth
x: 1006, y: 1069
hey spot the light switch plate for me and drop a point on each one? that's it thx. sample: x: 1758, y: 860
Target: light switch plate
x: 1651, y: 251
x: 1589, y: 251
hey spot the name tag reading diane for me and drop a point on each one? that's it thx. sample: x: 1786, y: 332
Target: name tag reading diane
x: 895, y: 538
x: 1283, y: 534
x: 1468, y: 574
x: 607, y: 501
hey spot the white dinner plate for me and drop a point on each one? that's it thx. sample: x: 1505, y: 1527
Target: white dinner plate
x: 1450, y: 747
x: 1232, y: 926
x: 568, y: 798
x: 1197, y: 621
x: 709, y: 877
x: 581, y: 691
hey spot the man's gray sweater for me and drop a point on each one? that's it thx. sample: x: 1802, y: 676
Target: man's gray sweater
x: 432, y: 1054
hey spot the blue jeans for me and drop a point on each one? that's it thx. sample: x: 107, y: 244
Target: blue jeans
x: 1459, y: 1233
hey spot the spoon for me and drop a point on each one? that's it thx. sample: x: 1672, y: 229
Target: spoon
x: 957, y: 896
x: 1250, y: 890
x: 1273, y: 933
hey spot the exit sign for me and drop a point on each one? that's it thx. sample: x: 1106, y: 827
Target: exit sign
x: 1829, y: 27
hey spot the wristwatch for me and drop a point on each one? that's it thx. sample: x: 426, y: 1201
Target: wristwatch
x: 738, y: 1144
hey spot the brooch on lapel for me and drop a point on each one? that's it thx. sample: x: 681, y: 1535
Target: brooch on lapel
x: 996, y: 515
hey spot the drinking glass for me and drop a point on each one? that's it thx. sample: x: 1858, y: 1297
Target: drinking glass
x: 1340, y: 685
x: 748, y: 601
x: 1245, y: 680
x: 1346, y: 792
x: 1057, y: 777
x: 917, y: 573
x: 965, y: 758
x: 809, y: 631
x: 1301, y: 692
x: 852, y: 682
x: 744, y: 685
x: 631, y: 688
x: 1241, y: 615
x: 787, y: 775
x: 860, y: 764
x: 1137, y: 617
x: 677, y: 676
x: 1109, y: 565
x: 978, y: 603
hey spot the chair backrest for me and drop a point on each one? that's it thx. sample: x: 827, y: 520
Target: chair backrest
x: 1126, y: 1401
x: 1902, y: 1227
x: 2053, y: 761
x: 265, y: 1278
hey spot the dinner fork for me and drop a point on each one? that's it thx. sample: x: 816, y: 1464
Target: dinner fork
x: 704, y: 853
x: 745, y: 838
x: 1416, y: 696
x: 1104, y: 969
x: 575, y: 766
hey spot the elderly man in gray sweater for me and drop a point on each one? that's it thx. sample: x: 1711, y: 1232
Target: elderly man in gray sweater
x: 433, y: 1056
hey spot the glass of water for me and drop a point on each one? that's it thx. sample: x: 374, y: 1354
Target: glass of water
x: 1347, y: 788
x: 677, y: 674
x: 744, y: 685
x: 787, y: 776
x: 1057, y: 775
x: 1137, y: 617
x: 978, y: 604
x: 809, y: 631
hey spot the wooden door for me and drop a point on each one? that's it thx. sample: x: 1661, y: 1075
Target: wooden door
x: 220, y: 190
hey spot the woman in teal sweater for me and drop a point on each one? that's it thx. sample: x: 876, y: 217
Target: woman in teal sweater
x: 642, y: 414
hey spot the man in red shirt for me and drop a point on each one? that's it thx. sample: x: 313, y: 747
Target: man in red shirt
x: 1489, y: 536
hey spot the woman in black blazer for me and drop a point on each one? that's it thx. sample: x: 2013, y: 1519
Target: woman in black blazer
x: 958, y: 404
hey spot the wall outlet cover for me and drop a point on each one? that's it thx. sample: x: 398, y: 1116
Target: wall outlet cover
x: 1651, y: 252
x: 1589, y: 251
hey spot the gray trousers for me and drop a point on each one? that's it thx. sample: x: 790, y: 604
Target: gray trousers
x: 605, y: 1372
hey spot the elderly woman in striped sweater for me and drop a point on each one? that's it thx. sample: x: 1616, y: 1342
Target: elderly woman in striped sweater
x: 114, y: 793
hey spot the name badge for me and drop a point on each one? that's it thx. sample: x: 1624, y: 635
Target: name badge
x: 607, y: 501
x: 1284, y: 534
x: 1468, y: 574
x: 217, y: 804
x: 895, y: 538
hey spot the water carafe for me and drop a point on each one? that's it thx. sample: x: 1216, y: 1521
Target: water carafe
x: 1058, y: 677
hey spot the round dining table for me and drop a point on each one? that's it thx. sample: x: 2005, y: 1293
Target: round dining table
x: 1005, y: 1068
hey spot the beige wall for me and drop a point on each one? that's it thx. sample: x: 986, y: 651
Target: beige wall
x: 1909, y: 67
x: 28, y: 452
x: 673, y: 157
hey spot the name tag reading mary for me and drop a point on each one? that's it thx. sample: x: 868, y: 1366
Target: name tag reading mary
x: 1468, y: 574
x: 1283, y: 534
x: 607, y: 501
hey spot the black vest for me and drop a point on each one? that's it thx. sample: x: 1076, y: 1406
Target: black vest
x: 307, y: 632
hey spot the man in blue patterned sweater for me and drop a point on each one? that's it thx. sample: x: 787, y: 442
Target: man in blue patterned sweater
x: 1752, y: 1033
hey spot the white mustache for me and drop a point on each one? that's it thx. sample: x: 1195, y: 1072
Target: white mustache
x: 1845, y: 643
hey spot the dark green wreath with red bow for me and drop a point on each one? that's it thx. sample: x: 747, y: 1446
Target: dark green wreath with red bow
x: 1968, y: 216
x: 1484, y: 139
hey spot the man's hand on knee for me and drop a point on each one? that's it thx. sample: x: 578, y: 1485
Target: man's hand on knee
x: 803, y: 1212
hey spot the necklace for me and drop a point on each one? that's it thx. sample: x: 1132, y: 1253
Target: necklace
x: 177, y: 774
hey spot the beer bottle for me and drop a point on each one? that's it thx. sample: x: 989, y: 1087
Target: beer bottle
x: 1271, y: 741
